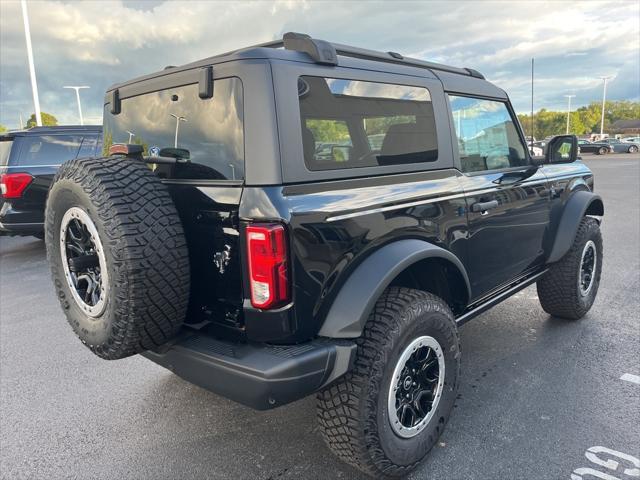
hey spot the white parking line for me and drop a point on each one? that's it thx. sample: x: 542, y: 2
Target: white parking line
x: 627, y: 377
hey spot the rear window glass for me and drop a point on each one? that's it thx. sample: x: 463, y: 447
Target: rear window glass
x: 50, y: 150
x: 352, y: 123
x: 209, y: 130
x: 5, y: 150
x: 88, y: 147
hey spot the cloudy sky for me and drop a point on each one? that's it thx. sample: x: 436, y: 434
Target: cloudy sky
x: 98, y: 43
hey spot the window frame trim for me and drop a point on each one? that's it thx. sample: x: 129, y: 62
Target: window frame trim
x: 287, y: 107
x: 454, y: 134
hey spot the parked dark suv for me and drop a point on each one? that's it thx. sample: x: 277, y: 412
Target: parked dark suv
x: 28, y: 161
x: 304, y: 217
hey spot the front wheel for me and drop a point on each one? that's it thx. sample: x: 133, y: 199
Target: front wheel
x: 633, y: 149
x: 388, y: 412
x: 569, y: 288
x: 603, y: 151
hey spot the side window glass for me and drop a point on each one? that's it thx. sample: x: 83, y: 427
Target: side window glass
x: 354, y: 123
x: 98, y: 151
x: 48, y: 149
x: 376, y: 128
x: 487, y: 136
x: 326, y: 141
x: 88, y: 147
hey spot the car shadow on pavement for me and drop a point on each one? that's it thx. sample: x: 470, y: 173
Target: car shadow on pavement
x: 238, y: 442
x: 23, y: 246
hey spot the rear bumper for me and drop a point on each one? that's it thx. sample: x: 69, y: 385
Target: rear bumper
x: 260, y: 376
x: 20, y: 220
x: 21, y: 228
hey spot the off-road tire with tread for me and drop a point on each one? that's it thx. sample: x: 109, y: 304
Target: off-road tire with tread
x: 558, y: 289
x: 353, y: 413
x: 144, y: 248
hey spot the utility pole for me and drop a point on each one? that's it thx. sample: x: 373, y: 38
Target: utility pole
x: 77, y: 89
x: 178, y: 120
x: 32, y: 69
x: 532, y: 123
x: 569, y: 110
x: 604, y: 96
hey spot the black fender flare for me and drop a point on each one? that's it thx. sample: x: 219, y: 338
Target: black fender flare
x: 355, y: 301
x: 580, y: 203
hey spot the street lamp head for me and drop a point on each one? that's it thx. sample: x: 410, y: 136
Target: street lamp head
x: 76, y: 87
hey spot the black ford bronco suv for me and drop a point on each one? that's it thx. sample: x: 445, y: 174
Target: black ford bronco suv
x: 304, y: 217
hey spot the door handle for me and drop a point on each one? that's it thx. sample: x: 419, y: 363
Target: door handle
x: 482, y: 207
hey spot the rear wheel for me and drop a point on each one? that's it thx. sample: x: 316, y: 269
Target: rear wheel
x: 388, y: 412
x: 570, y: 287
x: 603, y: 151
x: 118, y: 255
x: 633, y: 149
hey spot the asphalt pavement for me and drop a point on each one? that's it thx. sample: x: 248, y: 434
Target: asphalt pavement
x: 540, y: 398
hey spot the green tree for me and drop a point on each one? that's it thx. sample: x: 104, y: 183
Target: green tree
x: 107, y: 141
x: 584, y: 120
x: 48, y: 120
x: 329, y: 131
x: 2, y: 128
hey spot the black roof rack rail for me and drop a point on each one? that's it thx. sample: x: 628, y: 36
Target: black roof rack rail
x: 322, y: 52
x: 326, y: 53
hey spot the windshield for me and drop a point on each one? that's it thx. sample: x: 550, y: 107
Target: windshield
x: 5, y: 150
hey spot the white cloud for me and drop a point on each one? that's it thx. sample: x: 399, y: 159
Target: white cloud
x: 102, y: 42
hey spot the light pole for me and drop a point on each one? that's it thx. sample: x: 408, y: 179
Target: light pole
x: 604, y: 96
x: 569, y: 110
x: 131, y: 135
x: 77, y: 89
x: 178, y: 120
x: 32, y: 68
x: 532, y: 122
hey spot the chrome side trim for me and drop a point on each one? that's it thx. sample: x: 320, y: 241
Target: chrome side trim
x: 29, y: 166
x: 11, y: 225
x: 416, y: 203
x: 394, y: 207
x: 420, y: 202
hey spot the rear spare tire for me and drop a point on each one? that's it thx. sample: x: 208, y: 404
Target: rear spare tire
x: 118, y: 255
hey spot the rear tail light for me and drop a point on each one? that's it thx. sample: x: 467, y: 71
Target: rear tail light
x: 13, y: 184
x: 268, y: 265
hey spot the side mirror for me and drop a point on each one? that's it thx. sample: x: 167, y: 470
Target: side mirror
x: 341, y: 153
x: 538, y: 160
x: 562, y: 149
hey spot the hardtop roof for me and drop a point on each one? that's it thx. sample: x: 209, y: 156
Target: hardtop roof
x: 345, y: 55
